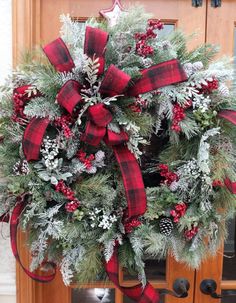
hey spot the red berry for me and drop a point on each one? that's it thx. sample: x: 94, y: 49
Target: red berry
x: 72, y: 206
x: 216, y: 183
x: 129, y: 226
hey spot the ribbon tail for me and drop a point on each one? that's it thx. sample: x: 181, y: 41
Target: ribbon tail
x: 14, y: 222
x: 229, y: 115
x: 142, y: 295
x: 132, y: 180
x: 4, y: 218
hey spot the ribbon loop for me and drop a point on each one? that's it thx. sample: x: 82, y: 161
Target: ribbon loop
x: 95, y: 44
x: 59, y: 56
x: 115, y: 81
x: 157, y: 76
x: 69, y: 96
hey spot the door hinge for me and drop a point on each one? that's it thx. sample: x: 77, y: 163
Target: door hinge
x: 196, y: 3
x: 215, y: 3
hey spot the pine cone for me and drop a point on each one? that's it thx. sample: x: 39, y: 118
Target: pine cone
x: 21, y: 168
x: 188, y: 68
x: 166, y: 226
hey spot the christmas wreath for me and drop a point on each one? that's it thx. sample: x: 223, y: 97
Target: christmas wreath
x: 116, y: 150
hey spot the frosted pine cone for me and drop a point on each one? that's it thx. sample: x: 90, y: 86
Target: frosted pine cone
x: 188, y: 68
x: 99, y: 156
x: 196, y: 66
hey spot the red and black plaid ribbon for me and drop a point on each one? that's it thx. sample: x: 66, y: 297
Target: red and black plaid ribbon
x: 132, y: 179
x: 157, y: 76
x: 69, y: 96
x: 5, y: 218
x: 33, y: 137
x: 59, y: 55
x: 142, y: 295
x: 95, y: 45
x: 229, y: 115
x: 115, y: 82
x: 14, y: 222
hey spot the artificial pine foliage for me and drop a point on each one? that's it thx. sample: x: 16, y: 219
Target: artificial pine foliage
x: 182, y: 134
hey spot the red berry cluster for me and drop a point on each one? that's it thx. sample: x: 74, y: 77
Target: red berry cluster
x: 217, y: 183
x: 167, y: 174
x: 86, y: 160
x: 138, y: 105
x: 135, y: 108
x: 142, y: 48
x: 64, y: 121
x: 20, y: 98
x: 69, y: 194
x: 18, y: 108
x: 189, y: 234
x: 129, y: 226
x: 178, y: 211
x: 178, y: 115
x: 210, y: 86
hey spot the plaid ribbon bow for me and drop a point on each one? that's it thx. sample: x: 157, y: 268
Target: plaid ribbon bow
x: 115, y: 82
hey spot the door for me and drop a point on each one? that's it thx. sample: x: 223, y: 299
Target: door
x: 221, y: 30
x: 37, y: 22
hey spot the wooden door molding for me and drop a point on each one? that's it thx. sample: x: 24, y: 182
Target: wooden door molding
x: 25, y: 26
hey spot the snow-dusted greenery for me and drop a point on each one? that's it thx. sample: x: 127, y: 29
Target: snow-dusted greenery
x: 199, y: 154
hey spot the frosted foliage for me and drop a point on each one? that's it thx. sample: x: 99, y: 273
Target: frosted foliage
x: 203, y: 153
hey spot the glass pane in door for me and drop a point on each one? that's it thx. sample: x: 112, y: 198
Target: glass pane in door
x: 155, y: 270
x: 168, y: 28
x: 93, y: 295
x: 229, y: 263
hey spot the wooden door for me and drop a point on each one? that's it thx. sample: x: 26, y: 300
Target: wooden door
x: 221, y: 30
x: 37, y: 22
